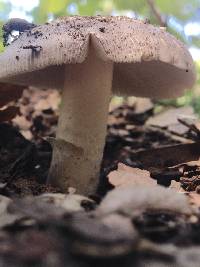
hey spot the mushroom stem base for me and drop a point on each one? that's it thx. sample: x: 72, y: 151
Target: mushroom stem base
x: 80, y: 140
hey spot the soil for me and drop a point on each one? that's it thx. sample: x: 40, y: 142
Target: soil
x: 50, y: 237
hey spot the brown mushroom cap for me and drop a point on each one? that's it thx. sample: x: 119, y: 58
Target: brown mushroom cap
x: 148, y: 61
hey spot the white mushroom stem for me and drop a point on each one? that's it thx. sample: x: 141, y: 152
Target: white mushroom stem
x: 78, y: 150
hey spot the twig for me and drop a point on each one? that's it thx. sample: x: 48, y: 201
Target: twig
x: 157, y: 14
x: 192, y: 127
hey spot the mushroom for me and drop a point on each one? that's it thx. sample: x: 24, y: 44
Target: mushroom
x: 90, y: 58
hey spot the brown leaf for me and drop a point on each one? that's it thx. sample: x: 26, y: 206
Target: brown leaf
x: 10, y: 92
x: 22, y: 123
x: 176, y: 186
x: 142, y: 105
x: 168, y: 156
x: 194, y: 199
x: 170, y: 117
x: 9, y: 113
x: 126, y: 175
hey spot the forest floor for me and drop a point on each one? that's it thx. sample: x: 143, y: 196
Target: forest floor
x: 151, y: 169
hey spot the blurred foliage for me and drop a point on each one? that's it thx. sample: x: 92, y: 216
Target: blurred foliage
x: 1, y: 34
x: 5, y: 8
x: 177, y: 13
x: 181, y: 9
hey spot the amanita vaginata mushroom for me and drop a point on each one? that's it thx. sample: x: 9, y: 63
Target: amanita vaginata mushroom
x: 91, y: 58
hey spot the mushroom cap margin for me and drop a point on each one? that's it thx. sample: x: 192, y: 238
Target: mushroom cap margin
x: 148, y: 61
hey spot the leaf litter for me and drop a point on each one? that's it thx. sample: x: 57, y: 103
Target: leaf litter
x: 151, y: 215
x: 126, y: 175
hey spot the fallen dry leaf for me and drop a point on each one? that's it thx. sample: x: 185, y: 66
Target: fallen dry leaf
x: 126, y: 175
x: 194, y: 163
x: 170, y: 117
x: 8, y: 113
x: 22, y: 121
x: 193, y: 127
x: 176, y: 186
x: 194, y: 199
x: 10, y: 92
x: 168, y: 156
x: 143, y: 105
x: 38, y: 113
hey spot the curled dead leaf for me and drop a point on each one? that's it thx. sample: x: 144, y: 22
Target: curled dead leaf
x: 126, y: 175
x: 168, y: 156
